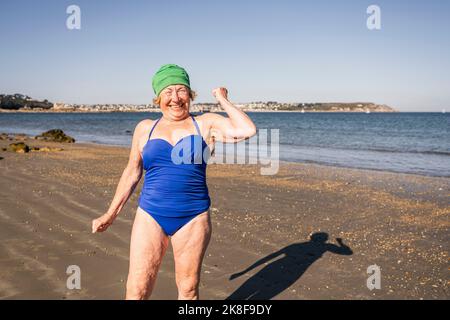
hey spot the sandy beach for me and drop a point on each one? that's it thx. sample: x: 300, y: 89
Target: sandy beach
x: 399, y: 222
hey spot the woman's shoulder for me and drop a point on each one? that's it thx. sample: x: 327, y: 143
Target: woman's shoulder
x: 144, y: 126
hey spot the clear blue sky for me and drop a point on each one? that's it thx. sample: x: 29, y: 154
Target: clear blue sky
x: 287, y: 51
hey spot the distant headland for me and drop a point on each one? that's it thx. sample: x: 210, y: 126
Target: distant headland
x: 23, y: 103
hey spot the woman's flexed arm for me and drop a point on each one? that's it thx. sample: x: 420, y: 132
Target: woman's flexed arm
x: 238, y: 126
x: 127, y: 183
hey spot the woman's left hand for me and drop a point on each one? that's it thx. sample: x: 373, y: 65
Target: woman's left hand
x: 220, y: 93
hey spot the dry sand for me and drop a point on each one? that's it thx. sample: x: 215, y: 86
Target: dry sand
x: 399, y: 222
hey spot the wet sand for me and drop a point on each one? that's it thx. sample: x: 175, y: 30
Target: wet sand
x: 399, y: 222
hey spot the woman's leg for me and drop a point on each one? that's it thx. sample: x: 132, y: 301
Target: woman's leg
x: 147, y: 248
x: 189, y: 246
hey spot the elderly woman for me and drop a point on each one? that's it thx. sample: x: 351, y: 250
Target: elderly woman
x: 174, y: 202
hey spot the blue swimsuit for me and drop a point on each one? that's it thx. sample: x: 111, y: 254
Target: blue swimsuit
x: 175, y: 190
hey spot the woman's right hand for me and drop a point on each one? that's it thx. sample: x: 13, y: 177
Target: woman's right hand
x: 102, y: 223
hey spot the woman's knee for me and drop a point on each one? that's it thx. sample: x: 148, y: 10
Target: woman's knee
x: 188, y: 287
x: 137, y: 290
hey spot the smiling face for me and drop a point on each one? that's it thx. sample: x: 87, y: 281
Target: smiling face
x: 175, y: 101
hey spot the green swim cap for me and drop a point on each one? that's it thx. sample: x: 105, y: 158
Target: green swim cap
x: 167, y: 75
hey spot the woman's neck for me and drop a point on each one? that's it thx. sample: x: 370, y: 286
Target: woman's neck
x: 168, y: 119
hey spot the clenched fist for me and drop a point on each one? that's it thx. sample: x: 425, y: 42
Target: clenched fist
x: 102, y: 223
x: 220, y: 93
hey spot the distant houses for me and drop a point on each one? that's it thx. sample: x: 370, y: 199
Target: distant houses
x: 303, y: 107
x: 21, y: 102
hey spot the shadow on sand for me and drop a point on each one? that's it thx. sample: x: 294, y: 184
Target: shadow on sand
x: 279, y: 275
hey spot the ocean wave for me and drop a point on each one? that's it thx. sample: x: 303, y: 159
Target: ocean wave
x: 430, y: 152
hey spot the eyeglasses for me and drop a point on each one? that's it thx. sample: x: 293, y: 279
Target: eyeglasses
x: 183, y: 92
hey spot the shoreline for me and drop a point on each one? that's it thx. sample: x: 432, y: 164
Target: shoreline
x: 285, y: 162
x: 88, y: 144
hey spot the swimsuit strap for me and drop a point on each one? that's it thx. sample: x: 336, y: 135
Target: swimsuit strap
x: 153, y: 128
x: 196, y: 125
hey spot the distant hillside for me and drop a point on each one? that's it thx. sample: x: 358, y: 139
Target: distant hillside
x: 20, y: 101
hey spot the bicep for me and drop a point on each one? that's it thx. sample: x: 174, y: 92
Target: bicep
x: 222, y: 129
